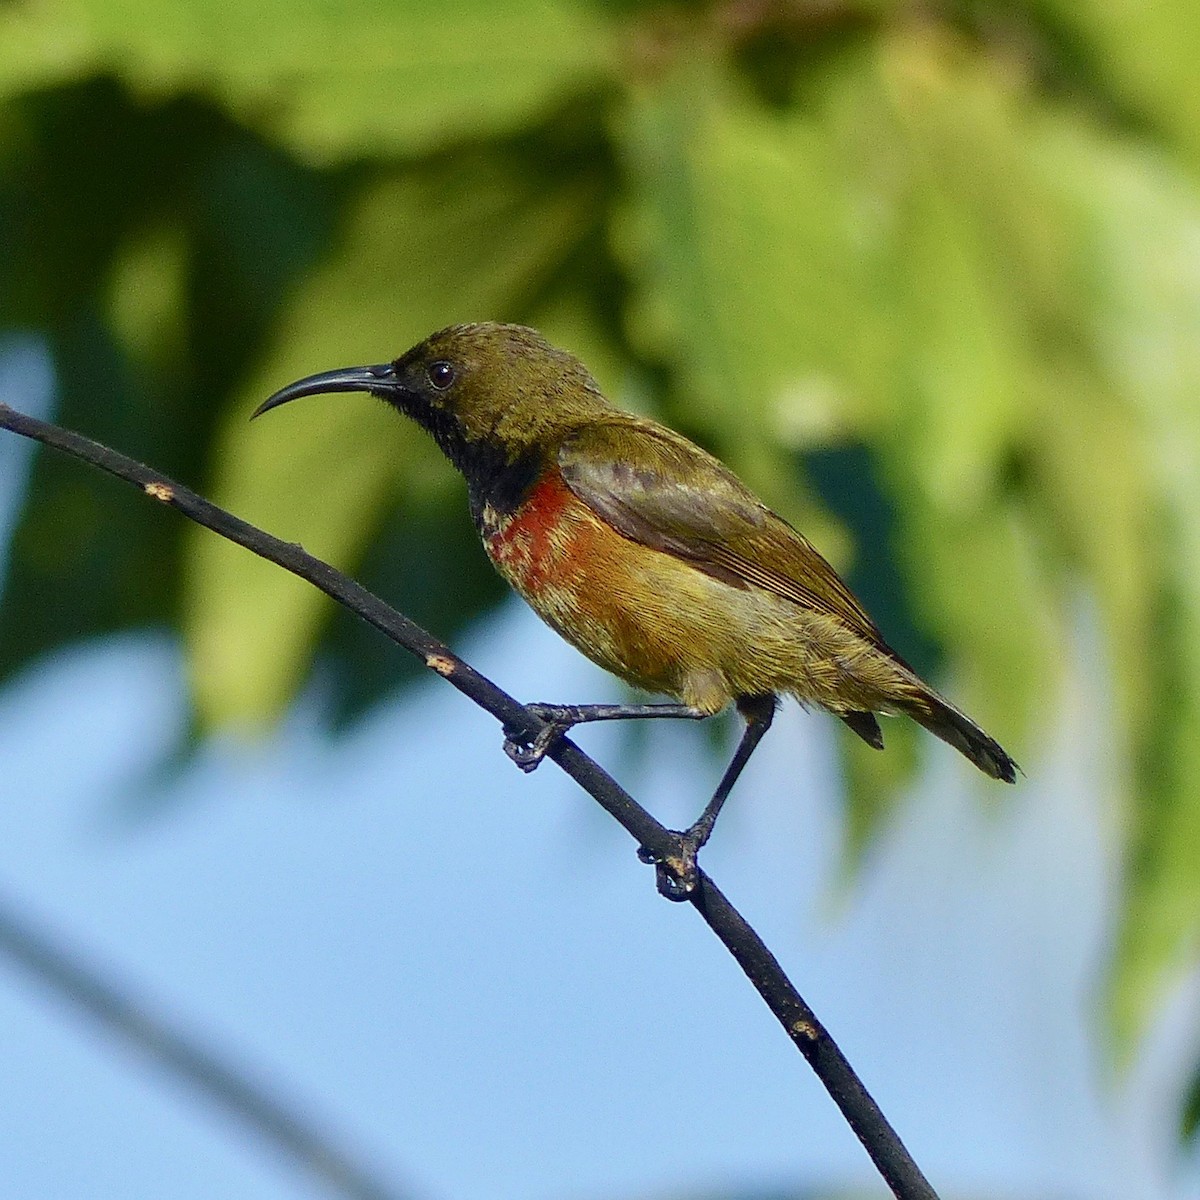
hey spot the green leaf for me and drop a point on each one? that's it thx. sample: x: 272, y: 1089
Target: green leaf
x: 479, y: 238
x: 1139, y: 283
x: 739, y: 234
x: 1003, y: 303
x: 837, y: 272
x: 331, y: 80
x: 1142, y: 54
x: 427, y: 561
x: 975, y: 276
x: 150, y: 309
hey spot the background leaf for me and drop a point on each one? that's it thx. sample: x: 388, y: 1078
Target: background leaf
x: 927, y: 278
x: 330, y: 81
x: 419, y: 251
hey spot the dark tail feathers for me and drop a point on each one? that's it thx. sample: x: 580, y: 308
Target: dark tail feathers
x: 945, y: 721
x: 865, y: 725
x: 955, y: 729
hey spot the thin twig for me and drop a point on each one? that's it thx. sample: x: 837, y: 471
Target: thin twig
x: 864, y: 1116
x: 227, y: 1086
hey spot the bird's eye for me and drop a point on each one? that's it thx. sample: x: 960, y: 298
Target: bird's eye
x: 441, y: 375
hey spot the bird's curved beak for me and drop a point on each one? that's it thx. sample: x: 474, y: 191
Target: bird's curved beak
x: 379, y: 380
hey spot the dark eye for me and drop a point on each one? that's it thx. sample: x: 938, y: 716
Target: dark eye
x: 441, y: 375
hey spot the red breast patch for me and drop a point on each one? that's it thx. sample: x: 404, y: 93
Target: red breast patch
x: 532, y: 546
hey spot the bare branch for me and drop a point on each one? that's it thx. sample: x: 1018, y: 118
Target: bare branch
x: 800, y: 1023
x: 120, y: 1013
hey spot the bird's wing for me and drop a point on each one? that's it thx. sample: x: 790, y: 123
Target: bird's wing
x: 657, y: 488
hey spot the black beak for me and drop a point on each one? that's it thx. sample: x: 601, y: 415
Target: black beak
x: 379, y: 380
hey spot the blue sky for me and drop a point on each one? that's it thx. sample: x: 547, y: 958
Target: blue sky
x: 467, y: 973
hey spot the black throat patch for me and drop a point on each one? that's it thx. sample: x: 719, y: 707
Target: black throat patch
x: 495, y: 481
x: 495, y: 478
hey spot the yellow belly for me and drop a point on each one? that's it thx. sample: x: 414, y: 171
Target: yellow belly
x: 665, y: 626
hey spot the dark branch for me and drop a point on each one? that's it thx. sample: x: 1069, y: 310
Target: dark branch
x: 882, y: 1143
x: 119, y: 1013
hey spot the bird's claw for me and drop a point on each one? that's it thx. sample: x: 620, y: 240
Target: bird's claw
x: 528, y: 752
x: 676, y: 875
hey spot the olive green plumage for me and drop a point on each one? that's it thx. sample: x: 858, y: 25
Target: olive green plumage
x: 642, y: 549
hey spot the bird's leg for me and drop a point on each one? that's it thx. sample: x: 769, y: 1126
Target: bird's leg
x: 677, y: 875
x: 559, y: 718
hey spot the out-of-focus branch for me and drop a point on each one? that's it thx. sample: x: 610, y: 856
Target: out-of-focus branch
x: 119, y: 1012
x: 864, y: 1116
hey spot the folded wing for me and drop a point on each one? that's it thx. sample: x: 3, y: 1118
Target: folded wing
x: 657, y: 488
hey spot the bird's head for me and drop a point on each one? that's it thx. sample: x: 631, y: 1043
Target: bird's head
x: 472, y: 384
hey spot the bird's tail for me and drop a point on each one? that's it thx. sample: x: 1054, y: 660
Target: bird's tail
x: 956, y: 729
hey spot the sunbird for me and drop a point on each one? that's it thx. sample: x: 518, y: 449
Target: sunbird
x: 647, y: 554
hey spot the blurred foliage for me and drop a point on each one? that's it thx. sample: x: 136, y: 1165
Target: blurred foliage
x: 927, y: 275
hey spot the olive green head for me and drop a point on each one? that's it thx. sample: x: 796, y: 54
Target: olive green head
x: 467, y: 384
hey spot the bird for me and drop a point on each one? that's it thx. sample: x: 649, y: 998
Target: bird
x: 647, y: 554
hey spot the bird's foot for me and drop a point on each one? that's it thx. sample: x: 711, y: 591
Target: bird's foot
x: 527, y: 753
x: 676, y: 875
